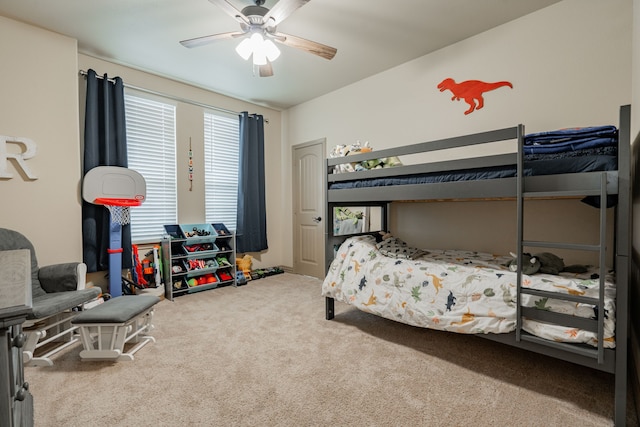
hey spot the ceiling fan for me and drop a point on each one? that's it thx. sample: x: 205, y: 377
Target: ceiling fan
x: 258, y: 29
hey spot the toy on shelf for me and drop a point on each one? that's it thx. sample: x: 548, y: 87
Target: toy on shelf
x: 225, y: 276
x: 197, y: 232
x: 201, y: 247
x: 223, y: 261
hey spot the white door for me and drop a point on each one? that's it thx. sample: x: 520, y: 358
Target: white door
x: 309, y: 208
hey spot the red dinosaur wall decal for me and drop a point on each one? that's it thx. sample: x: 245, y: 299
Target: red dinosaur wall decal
x: 471, y: 91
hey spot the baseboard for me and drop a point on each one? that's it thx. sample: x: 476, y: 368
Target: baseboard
x: 286, y: 269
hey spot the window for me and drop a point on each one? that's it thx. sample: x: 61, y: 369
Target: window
x: 151, y: 150
x: 221, y: 151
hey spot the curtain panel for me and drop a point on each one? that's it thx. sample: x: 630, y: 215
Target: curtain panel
x: 251, y: 228
x: 104, y: 145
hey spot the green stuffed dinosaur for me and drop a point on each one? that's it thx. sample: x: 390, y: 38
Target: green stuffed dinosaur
x: 543, y: 262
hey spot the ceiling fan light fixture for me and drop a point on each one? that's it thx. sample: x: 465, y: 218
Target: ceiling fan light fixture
x: 245, y: 49
x: 258, y: 30
x: 256, y: 40
x: 260, y: 48
x: 259, y: 57
x: 271, y: 50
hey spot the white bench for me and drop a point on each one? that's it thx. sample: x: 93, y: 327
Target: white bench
x: 105, y: 329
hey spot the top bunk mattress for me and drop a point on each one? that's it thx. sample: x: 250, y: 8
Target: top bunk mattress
x: 550, y: 166
x: 578, y: 150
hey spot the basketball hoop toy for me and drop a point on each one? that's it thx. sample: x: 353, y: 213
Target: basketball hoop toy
x: 117, y: 189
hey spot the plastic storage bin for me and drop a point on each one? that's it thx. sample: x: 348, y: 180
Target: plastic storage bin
x: 179, y: 284
x: 174, y: 231
x: 201, y: 264
x: 193, y: 231
x: 220, y: 229
x: 199, y: 249
x: 178, y: 267
x: 203, y: 282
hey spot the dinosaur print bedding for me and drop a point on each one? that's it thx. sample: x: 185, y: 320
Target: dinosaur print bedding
x: 458, y: 291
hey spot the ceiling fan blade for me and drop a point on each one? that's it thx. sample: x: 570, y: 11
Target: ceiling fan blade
x: 265, y: 70
x: 316, y: 48
x: 282, y: 9
x: 200, y: 41
x: 230, y: 10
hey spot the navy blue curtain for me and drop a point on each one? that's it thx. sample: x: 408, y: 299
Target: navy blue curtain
x: 251, y: 227
x: 105, y: 144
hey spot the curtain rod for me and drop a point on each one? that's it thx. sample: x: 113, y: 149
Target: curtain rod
x: 164, y: 95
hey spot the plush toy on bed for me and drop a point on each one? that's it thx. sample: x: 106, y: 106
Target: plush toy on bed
x: 358, y: 148
x: 342, y: 150
x: 395, y: 248
x: 543, y: 262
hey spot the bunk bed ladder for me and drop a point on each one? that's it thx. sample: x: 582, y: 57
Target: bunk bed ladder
x: 595, y: 325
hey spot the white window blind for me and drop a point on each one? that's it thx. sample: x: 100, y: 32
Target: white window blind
x: 221, y: 151
x: 151, y: 150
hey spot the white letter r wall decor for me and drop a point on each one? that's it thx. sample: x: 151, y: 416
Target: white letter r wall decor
x: 29, y: 152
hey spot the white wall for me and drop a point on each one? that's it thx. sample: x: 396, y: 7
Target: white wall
x: 38, y: 89
x: 570, y: 65
x: 542, y: 54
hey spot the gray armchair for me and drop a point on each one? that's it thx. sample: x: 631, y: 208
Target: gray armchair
x: 57, y: 291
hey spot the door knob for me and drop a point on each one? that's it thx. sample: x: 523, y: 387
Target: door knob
x: 317, y: 219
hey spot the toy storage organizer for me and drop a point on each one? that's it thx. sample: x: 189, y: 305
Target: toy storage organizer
x: 197, y: 257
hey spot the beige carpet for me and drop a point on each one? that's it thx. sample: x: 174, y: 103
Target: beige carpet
x: 263, y: 355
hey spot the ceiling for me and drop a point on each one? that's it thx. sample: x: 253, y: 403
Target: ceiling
x: 371, y: 36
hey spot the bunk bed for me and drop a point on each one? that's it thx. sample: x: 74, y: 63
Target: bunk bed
x: 506, y: 303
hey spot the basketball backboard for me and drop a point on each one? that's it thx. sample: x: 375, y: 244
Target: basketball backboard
x: 113, y: 182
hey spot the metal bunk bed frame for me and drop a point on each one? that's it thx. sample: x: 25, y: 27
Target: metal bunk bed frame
x: 520, y: 188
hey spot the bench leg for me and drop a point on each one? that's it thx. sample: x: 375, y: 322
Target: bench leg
x: 104, y: 341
